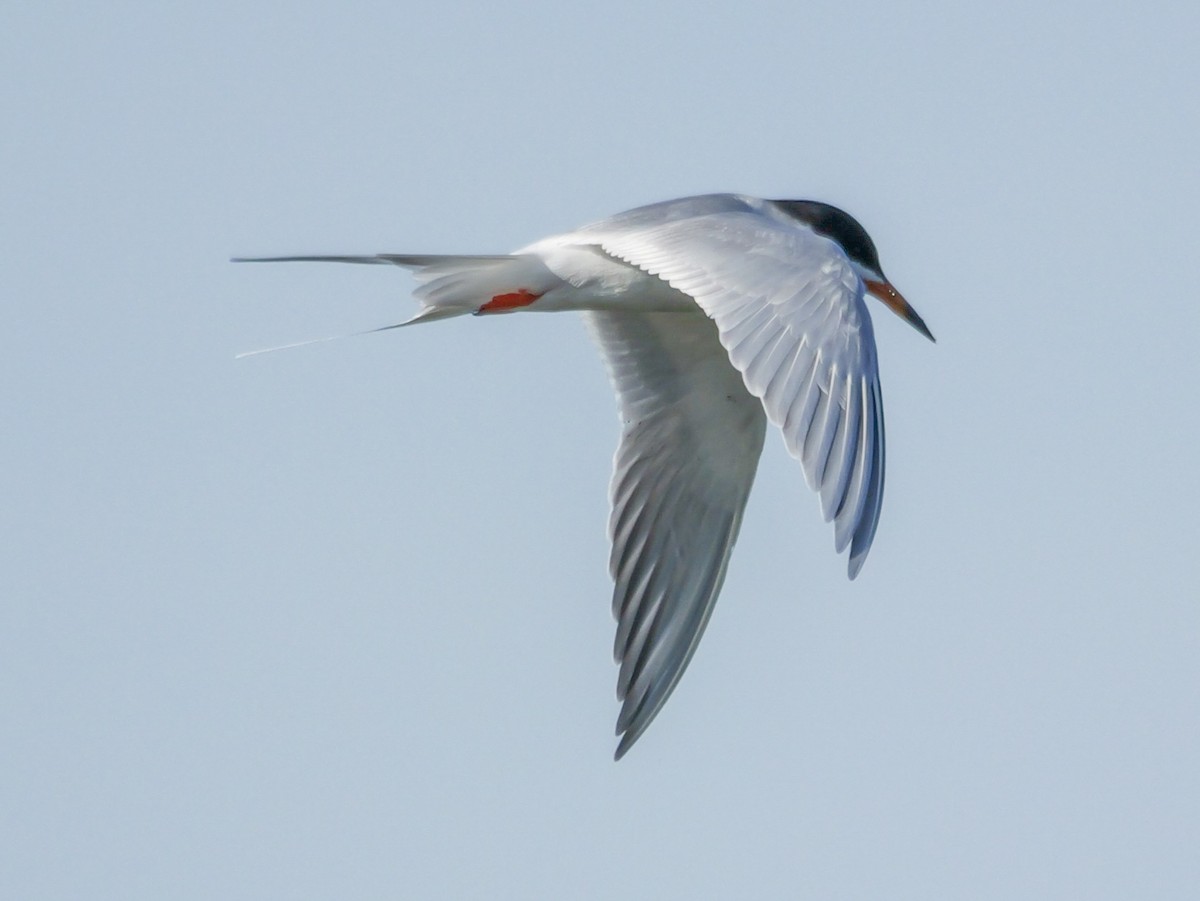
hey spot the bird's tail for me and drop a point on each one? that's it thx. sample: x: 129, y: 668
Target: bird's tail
x: 450, y: 284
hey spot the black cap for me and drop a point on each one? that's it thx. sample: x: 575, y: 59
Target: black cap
x: 836, y: 224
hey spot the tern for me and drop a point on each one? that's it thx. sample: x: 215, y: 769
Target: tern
x: 714, y: 314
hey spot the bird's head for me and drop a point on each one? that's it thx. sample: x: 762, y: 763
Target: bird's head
x: 841, y: 227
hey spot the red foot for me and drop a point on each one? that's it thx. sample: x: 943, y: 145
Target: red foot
x: 520, y: 298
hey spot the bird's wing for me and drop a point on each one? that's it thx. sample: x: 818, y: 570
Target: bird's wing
x: 689, y: 449
x: 790, y: 312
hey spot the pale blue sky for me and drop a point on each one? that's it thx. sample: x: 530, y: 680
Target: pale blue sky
x: 333, y: 623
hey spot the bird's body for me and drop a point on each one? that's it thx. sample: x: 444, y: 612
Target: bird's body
x: 715, y: 315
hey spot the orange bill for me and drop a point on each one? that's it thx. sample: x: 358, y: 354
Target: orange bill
x: 895, y: 301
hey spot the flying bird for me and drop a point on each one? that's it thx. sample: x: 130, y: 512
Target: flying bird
x: 714, y: 315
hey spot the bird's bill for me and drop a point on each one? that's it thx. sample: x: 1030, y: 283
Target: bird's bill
x: 895, y: 302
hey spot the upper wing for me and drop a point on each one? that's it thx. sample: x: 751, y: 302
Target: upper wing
x: 689, y: 449
x: 789, y: 308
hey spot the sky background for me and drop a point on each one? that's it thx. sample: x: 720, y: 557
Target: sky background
x: 334, y: 623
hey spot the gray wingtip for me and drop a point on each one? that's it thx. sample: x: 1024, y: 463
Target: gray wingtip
x: 623, y: 746
x: 855, y: 565
x: 629, y: 730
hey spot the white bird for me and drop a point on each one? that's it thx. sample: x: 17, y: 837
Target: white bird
x: 714, y: 314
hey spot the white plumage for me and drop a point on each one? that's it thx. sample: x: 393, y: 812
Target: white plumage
x: 714, y: 314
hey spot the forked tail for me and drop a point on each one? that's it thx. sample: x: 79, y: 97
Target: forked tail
x: 451, y: 284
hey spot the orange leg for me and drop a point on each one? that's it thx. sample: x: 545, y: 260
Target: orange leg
x: 517, y: 299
